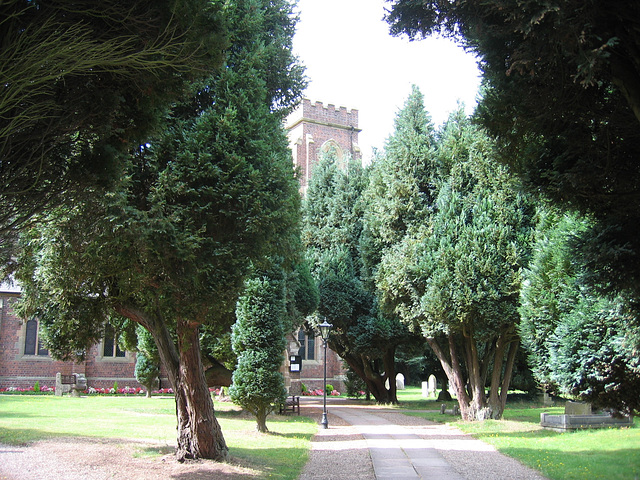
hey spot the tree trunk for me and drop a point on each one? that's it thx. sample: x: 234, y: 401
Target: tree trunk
x: 390, y: 372
x: 473, y: 403
x: 199, y: 434
x: 374, y: 381
x: 261, y: 421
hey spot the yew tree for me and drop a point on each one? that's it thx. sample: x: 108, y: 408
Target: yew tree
x: 258, y: 341
x: 456, y: 277
x: 562, y: 97
x: 332, y: 228
x: 80, y: 84
x: 197, y: 206
x: 579, y: 341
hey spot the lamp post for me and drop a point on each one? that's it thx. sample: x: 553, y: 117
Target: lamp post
x: 325, y: 329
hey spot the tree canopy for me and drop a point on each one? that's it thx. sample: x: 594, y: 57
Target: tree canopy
x: 258, y: 341
x: 580, y: 342
x: 562, y: 98
x: 81, y: 84
x: 332, y: 228
x: 455, y: 276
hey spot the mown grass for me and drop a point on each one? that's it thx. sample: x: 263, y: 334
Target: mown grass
x: 281, y: 454
x: 611, y: 453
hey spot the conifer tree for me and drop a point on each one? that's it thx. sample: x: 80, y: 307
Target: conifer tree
x: 198, y: 206
x: 258, y: 341
x: 147, y: 360
x: 332, y: 227
x: 456, y: 277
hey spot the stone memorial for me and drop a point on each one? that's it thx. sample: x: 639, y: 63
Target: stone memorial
x: 578, y: 415
x: 433, y: 384
x: 399, y: 381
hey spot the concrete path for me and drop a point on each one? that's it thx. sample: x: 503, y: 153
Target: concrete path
x: 399, y: 447
x: 396, y: 452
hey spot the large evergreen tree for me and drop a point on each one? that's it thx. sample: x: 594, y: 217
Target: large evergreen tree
x: 171, y: 248
x: 332, y: 226
x: 456, y: 278
x: 580, y: 343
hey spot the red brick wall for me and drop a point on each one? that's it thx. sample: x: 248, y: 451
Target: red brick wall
x: 18, y: 370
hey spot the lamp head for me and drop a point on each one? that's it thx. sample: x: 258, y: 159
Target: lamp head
x: 325, y: 328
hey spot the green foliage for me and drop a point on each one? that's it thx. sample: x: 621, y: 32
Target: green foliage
x: 36, y: 386
x: 81, y: 85
x: 400, y: 190
x: 147, y: 367
x: 455, y: 276
x: 197, y: 206
x: 580, y: 342
x: 332, y: 217
x: 258, y: 341
x: 562, y: 98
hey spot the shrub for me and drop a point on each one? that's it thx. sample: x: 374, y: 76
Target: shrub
x: 36, y: 386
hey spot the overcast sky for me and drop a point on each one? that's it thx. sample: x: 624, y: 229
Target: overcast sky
x: 352, y: 61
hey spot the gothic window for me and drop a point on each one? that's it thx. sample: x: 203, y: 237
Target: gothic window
x: 307, y: 346
x: 32, y: 343
x: 331, y: 147
x: 110, y: 347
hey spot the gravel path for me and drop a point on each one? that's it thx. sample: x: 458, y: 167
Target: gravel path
x: 347, y: 455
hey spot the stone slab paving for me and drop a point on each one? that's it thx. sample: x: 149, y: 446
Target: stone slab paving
x: 397, y: 453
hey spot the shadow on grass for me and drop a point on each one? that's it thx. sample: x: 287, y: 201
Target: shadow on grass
x: 25, y: 436
x: 155, y: 451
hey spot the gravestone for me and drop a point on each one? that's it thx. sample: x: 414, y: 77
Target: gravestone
x: 399, y: 381
x: 425, y: 389
x: 577, y: 408
x: 432, y: 385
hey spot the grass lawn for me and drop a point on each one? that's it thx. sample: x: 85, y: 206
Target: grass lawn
x: 611, y: 453
x: 281, y: 454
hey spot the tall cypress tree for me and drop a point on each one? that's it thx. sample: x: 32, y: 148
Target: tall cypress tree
x: 258, y: 341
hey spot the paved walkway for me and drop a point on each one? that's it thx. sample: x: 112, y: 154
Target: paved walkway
x: 400, y: 447
x: 396, y: 452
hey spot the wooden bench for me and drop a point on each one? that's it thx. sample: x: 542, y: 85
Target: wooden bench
x: 73, y: 384
x: 68, y: 379
x: 291, y: 404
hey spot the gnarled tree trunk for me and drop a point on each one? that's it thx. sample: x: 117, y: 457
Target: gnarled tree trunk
x: 470, y: 390
x: 199, y: 433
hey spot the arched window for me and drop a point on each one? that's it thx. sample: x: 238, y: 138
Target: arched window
x: 307, y: 346
x: 32, y: 343
x: 331, y: 147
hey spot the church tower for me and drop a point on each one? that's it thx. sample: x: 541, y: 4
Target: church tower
x: 314, y: 129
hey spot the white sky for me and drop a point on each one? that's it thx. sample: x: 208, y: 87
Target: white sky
x: 353, y: 61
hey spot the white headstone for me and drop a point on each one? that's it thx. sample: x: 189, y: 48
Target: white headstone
x: 425, y: 389
x: 432, y: 385
x: 399, y: 381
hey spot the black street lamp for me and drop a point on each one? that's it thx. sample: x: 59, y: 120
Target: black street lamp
x: 325, y: 329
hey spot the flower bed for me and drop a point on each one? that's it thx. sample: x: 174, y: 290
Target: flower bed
x: 319, y: 392
x: 44, y: 390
